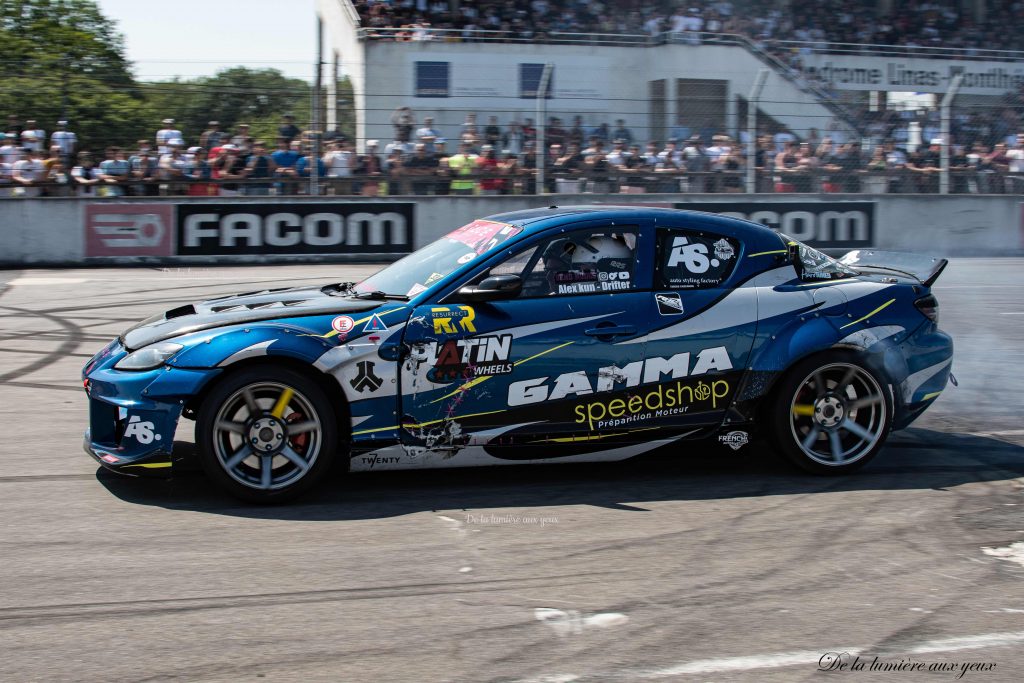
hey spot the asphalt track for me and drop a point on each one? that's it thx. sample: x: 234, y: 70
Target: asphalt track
x: 697, y: 566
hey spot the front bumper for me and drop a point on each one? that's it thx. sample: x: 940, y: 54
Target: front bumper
x: 133, y: 415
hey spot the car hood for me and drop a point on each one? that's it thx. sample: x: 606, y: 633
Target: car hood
x: 268, y: 304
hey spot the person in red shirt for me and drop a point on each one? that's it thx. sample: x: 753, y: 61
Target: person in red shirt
x: 488, y: 163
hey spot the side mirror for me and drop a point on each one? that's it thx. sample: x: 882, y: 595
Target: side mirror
x: 494, y: 288
x: 793, y: 258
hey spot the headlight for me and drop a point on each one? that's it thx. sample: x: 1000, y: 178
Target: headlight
x: 150, y: 357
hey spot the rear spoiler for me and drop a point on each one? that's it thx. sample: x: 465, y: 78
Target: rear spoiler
x: 925, y: 269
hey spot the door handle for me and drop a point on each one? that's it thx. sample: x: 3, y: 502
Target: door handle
x: 611, y: 331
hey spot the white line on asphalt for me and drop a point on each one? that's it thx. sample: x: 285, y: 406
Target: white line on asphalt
x: 778, y: 660
x: 1004, y: 432
x: 1011, y: 313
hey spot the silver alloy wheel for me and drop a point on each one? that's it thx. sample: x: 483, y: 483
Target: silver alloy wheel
x: 838, y: 414
x: 267, y: 435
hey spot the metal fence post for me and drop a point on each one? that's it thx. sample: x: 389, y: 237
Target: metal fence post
x: 752, y: 100
x: 947, y: 106
x: 542, y: 154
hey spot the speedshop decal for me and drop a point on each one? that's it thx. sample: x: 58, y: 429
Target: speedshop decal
x: 667, y: 398
x: 664, y: 400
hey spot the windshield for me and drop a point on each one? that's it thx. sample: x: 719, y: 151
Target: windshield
x: 818, y: 266
x: 420, y: 269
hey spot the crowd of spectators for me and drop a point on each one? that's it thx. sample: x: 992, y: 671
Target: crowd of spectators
x: 900, y: 151
x: 924, y: 23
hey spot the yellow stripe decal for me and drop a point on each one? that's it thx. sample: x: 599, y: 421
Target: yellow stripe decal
x: 334, y: 333
x: 828, y: 282
x: 282, y: 402
x: 151, y: 465
x: 477, y: 380
x: 865, y: 317
x: 429, y: 422
x: 765, y: 253
x: 931, y: 395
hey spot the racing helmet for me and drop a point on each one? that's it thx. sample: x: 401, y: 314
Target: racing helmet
x: 599, y: 248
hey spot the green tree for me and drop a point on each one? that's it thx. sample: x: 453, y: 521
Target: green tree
x: 258, y: 97
x: 64, y: 59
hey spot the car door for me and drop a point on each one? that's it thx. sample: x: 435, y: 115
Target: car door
x: 696, y: 353
x: 506, y: 379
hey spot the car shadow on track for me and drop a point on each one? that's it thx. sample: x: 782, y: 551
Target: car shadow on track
x: 913, y: 459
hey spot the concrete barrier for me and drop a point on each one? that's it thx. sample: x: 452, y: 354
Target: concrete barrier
x: 57, y: 231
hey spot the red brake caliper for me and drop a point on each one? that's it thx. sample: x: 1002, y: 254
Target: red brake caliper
x: 299, y: 441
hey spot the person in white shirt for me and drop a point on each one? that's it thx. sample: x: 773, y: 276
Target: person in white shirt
x: 1016, y: 164
x: 33, y: 136
x: 5, y: 179
x: 9, y: 151
x: 66, y: 140
x: 339, y: 160
x: 27, y: 173
x: 165, y: 135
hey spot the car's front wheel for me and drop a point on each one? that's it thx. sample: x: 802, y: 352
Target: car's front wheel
x: 831, y: 414
x: 266, y: 434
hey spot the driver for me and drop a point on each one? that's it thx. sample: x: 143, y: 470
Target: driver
x: 569, y: 261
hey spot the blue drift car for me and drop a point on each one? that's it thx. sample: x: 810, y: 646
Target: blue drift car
x: 552, y: 335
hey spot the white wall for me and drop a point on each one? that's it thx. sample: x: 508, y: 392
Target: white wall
x: 600, y: 83
x: 51, y: 231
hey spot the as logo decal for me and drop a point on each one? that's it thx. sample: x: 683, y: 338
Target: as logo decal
x: 692, y: 257
x: 734, y: 440
x: 669, y: 304
x: 375, y: 325
x: 140, y: 431
x: 366, y: 379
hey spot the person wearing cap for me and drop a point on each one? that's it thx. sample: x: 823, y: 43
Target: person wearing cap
x: 212, y: 136
x: 66, y: 140
x: 285, y: 158
x: 229, y: 166
x: 199, y: 173
x: 165, y: 135
x: 368, y: 166
x: 33, y: 136
x: 172, y: 169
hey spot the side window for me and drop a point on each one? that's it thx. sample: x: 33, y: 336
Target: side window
x: 595, y: 261
x: 693, y: 259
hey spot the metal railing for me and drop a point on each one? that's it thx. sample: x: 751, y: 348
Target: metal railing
x: 524, y: 182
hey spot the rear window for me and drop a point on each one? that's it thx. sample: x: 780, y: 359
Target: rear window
x: 690, y: 259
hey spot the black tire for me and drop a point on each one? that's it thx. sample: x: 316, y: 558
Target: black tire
x: 296, y: 433
x: 825, y: 426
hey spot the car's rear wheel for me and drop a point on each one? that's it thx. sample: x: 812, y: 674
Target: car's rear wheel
x: 266, y: 434
x: 832, y: 414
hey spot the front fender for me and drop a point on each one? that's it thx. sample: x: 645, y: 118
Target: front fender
x: 221, y: 348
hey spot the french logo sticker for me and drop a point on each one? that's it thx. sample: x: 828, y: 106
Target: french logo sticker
x: 343, y: 324
x: 724, y: 250
x: 734, y: 440
x: 375, y: 325
x: 669, y: 304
